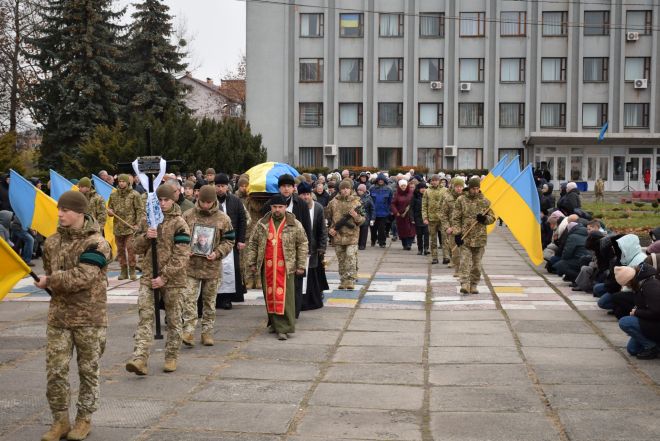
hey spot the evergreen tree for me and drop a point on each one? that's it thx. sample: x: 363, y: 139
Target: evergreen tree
x: 153, y: 61
x: 79, y: 55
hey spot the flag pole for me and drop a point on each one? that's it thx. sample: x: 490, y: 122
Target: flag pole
x: 36, y: 278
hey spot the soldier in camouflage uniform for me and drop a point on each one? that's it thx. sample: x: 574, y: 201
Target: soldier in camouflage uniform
x: 75, y: 262
x: 431, y: 207
x: 469, y: 219
x: 126, y: 203
x: 205, y: 271
x: 345, y: 208
x: 173, y: 238
x: 446, y: 209
x: 96, y: 203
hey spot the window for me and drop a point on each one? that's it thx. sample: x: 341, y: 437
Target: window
x: 512, y: 70
x: 311, y: 70
x: 432, y: 25
x: 512, y: 114
x: 576, y: 168
x: 311, y: 115
x: 637, y: 68
x: 553, y: 70
x: 350, y: 70
x: 391, y: 69
x: 594, y: 115
x: 553, y: 115
x: 513, y: 24
x: 470, y: 114
x: 350, y: 156
x: 350, y: 114
x: 430, y: 114
x: 470, y: 158
x: 555, y: 24
x: 310, y: 156
x: 595, y: 69
x: 351, y: 25
x: 311, y: 25
x: 473, y: 24
x: 431, y: 69
x: 389, y: 157
x: 636, y: 115
x: 391, y: 25
x: 639, y: 21
x: 390, y: 114
x: 619, y: 168
x: 471, y: 69
x: 430, y: 158
x: 596, y: 22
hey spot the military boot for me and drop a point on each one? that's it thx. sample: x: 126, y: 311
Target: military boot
x: 465, y: 288
x: 59, y: 428
x: 123, y: 275
x: 138, y: 366
x: 207, y: 339
x: 474, y: 289
x: 349, y: 285
x: 170, y: 365
x: 81, y: 429
x: 131, y: 273
x: 342, y: 285
x: 188, y: 339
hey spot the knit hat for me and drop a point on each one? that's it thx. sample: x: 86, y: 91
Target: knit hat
x: 571, y: 186
x: 85, y: 182
x: 434, y: 178
x: 74, y: 201
x: 346, y: 183
x: 210, y: 171
x: 285, y: 179
x: 623, y: 274
x: 421, y: 185
x: 189, y: 184
x: 556, y: 215
x: 124, y: 177
x: 166, y: 191
x: 207, y: 194
x: 474, y: 183
x: 304, y: 187
x: 243, y: 181
x: 278, y: 199
x: 221, y: 179
x: 403, y: 182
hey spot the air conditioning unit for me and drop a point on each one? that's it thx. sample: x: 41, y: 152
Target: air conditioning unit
x: 330, y: 150
x: 465, y: 87
x: 632, y: 36
x: 641, y: 83
x: 436, y: 85
x: 449, y: 150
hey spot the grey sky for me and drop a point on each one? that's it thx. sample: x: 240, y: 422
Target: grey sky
x: 217, y: 28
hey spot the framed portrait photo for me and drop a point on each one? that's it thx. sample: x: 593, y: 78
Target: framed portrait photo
x: 202, y: 240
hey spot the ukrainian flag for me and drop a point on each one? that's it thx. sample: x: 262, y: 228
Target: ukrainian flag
x: 494, y: 173
x: 499, y: 185
x: 520, y: 208
x: 34, y: 208
x: 104, y: 189
x: 13, y: 268
x: 59, y: 185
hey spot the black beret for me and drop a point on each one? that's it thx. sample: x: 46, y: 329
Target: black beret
x: 221, y: 178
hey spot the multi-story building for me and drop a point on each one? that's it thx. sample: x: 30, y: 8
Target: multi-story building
x: 457, y: 84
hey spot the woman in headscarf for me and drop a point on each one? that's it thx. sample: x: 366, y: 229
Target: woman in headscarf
x: 402, y: 213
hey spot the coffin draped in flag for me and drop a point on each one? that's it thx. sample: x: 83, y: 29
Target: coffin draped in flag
x: 34, y: 208
x: 264, y: 176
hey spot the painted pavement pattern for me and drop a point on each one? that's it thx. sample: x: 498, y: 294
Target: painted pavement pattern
x: 403, y: 357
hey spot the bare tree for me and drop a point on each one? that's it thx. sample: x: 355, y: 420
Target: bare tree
x: 239, y: 72
x: 183, y: 39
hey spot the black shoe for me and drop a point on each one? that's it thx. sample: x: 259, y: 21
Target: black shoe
x: 573, y: 285
x: 225, y: 305
x: 575, y: 288
x: 394, y: 238
x: 373, y: 244
x: 362, y: 248
x: 610, y: 312
x: 434, y: 261
x: 420, y: 252
x: 382, y: 245
x: 445, y: 261
x: 648, y: 354
x: 427, y: 252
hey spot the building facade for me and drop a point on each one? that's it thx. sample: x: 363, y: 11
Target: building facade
x: 209, y: 100
x: 458, y: 84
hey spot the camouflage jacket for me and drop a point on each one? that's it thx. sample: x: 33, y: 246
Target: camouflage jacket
x: 447, y: 206
x: 128, y: 205
x: 432, y: 202
x: 96, y: 208
x: 200, y: 267
x: 294, y: 243
x: 173, y: 250
x: 336, y: 210
x: 464, y: 216
x: 75, y: 262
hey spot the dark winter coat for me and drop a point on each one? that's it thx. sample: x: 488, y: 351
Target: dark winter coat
x: 382, y: 197
x: 570, y: 202
x: 647, y: 302
x: 574, y: 248
x: 322, y: 198
x: 368, y: 205
x: 4, y: 196
x: 416, y: 208
x: 547, y: 201
x: 402, y: 212
x: 319, y: 237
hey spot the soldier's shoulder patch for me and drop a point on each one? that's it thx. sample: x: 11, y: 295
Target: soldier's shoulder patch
x: 181, y: 236
x: 92, y: 256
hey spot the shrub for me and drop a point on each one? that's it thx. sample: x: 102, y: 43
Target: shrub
x: 639, y: 204
x: 654, y: 204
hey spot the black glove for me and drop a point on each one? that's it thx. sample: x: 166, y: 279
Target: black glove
x: 459, y: 240
x: 481, y: 218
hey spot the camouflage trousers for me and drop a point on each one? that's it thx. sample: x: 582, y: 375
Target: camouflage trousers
x: 250, y: 279
x: 435, y: 228
x: 89, y: 342
x: 209, y: 288
x: 125, y: 246
x: 144, y: 334
x: 347, y: 260
x: 470, y: 269
x: 449, y: 242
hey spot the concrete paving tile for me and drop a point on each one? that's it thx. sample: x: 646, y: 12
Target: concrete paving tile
x: 119, y: 412
x: 387, y: 325
x: 574, y: 357
x: 323, y: 323
x: 593, y: 375
x: 544, y: 315
x: 98, y: 433
x: 340, y: 423
x: 472, y: 340
x: 611, y: 425
x: 478, y: 375
x: 516, y: 398
x: 551, y: 326
x: 290, y: 351
x: 302, y: 338
x: 406, y: 339
x: 265, y: 418
x: 383, y: 314
x: 486, y: 426
x: 368, y: 396
x: 603, y: 397
x: 190, y: 434
x: 252, y: 391
x: 270, y: 370
x: 378, y: 354
x: 566, y: 340
x: 408, y: 374
x: 126, y: 385
x: 470, y: 327
x: 464, y: 355
x: 472, y: 316
x: 599, y: 315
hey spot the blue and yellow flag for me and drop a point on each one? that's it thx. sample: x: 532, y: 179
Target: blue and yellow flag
x: 105, y: 190
x: 494, y: 173
x: 499, y: 185
x: 520, y: 208
x: 34, y: 208
x: 13, y: 268
x: 59, y: 185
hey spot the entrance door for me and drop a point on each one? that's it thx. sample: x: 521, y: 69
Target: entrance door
x: 639, y: 165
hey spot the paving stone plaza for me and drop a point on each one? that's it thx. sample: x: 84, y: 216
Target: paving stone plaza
x: 403, y: 357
